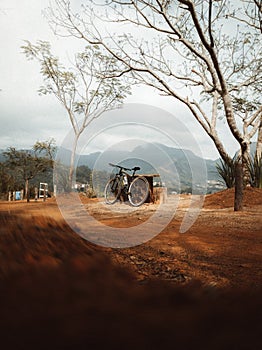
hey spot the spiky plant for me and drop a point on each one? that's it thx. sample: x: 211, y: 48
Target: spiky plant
x: 226, y: 171
x: 255, y: 171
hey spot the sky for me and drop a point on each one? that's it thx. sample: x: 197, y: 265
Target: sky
x: 26, y: 117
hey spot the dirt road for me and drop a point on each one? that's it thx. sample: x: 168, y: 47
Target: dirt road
x: 201, y: 288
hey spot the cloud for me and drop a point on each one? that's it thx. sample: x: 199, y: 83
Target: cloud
x: 26, y: 117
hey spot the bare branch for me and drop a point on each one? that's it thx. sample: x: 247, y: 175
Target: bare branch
x: 196, y: 59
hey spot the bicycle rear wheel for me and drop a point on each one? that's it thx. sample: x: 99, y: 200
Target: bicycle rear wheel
x: 112, y: 191
x: 138, y: 191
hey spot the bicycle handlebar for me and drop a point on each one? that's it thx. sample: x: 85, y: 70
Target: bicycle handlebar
x: 123, y: 168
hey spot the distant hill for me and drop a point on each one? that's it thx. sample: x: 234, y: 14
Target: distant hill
x: 176, y: 164
x: 183, y: 162
x: 182, y: 158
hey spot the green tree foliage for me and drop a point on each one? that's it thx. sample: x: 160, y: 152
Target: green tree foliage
x: 83, y: 174
x: 25, y: 165
x: 99, y: 180
x: 61, y: 177
x: 7, y: 181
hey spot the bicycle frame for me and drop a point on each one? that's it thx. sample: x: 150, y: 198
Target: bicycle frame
x: 123, y: 169
x: 123, y: 179
x: 126, y: 186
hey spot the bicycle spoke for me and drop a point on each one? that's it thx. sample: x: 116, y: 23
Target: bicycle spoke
x: 112, y: 191
x: 138, y: 191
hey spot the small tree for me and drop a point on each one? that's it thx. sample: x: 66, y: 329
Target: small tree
x: 84, y: 90
x: 26, y: 164
x: 7, y: 181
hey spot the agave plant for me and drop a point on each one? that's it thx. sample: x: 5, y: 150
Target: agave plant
x: 226, y: 171
x: 255, y: 171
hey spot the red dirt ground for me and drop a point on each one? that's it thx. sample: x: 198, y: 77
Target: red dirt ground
x: 198, y: 289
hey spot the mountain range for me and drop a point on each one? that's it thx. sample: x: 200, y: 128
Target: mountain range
x: 178, y: 167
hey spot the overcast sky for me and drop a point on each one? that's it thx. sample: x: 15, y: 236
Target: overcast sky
x: 25, y: 116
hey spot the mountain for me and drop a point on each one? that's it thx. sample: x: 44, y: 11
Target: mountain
x: 178, y: 167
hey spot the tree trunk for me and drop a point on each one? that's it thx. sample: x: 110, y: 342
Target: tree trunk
x: 239, y: 188
x: 245, y: 151
x: 27, y: 194
x: 36, y: 194
x: 72, y: 162
x: 258, y: 155
x: 259, y: 141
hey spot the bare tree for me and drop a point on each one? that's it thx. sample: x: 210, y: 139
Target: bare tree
x: 251, y: 14
x: 194, y: 51
x: 83, y: 89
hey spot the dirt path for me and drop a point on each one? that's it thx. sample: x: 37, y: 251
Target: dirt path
x: 222, y: 248
x: 192, y: 290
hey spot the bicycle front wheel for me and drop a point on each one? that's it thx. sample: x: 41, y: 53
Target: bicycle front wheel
x: 112, y: 191
x: 138, y: 191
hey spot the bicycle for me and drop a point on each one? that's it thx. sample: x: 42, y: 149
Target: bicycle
x: 133, y: 188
